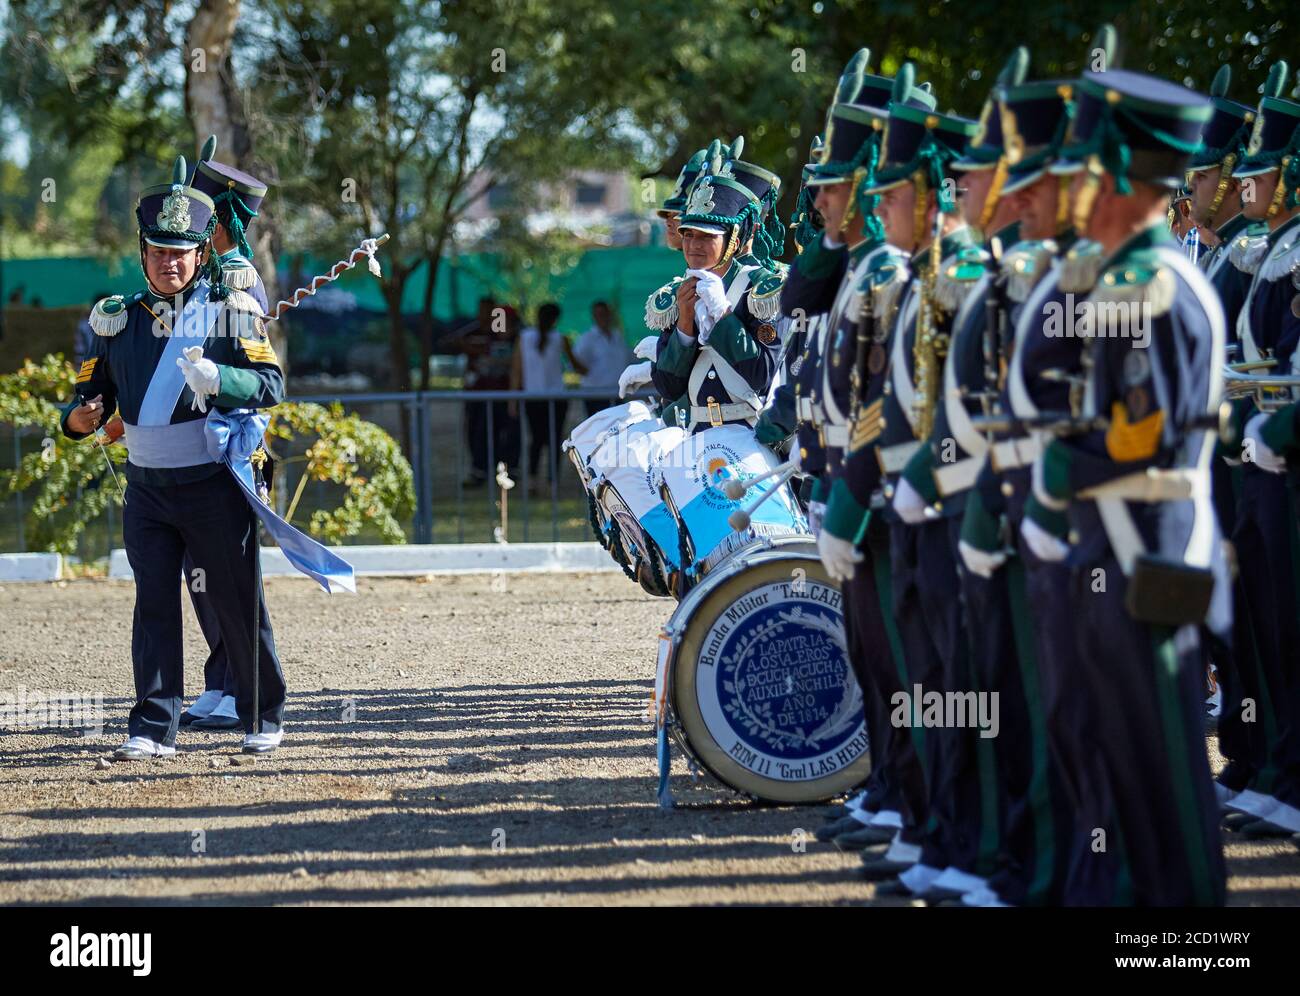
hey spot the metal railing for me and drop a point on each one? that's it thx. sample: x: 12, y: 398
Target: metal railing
x: 441, y: 433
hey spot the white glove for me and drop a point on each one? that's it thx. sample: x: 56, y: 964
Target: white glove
x: 633, y: 377
x: 839, y: 557
x: 909, y: 504
x: 647, y: 348
x: 1044, y: 545
x: 816, y: 512
x: 1263, y: 457
x: 712, y: 303
x: 201, y: 374
x: 981, y: 562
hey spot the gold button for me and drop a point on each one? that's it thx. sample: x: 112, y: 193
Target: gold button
x: 803, y: 452
x: 1008, y: 488
x: 1073, y: 537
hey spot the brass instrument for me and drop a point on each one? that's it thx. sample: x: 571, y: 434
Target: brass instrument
x: 1270, y: 391
x: 930, y: 346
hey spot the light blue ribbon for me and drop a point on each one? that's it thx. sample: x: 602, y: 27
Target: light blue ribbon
x: 665, y: 768
x: 232, y: 438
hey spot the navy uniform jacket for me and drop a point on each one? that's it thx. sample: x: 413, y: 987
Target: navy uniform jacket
x: 808, y: 296
x: 1042, y: 340
x: 882, y: 439
x: 743, y: 338
x: 120, y: 367
x: 1150, y: 380
x: 1222, y: 269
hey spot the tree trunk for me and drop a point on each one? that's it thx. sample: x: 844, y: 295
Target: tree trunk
x: 216, y: 106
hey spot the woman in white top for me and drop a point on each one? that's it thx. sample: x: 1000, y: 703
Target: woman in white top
x: 538, y: 369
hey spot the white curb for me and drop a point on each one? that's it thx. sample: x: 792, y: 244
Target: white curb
x: 436, y: 558
x: 36, y: 566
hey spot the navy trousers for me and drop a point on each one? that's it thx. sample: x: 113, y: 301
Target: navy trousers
x: 216, y: 669
x: 1146, y: 690
x: 875, y: 653
x: 927, y: 608
x: 211, y: 521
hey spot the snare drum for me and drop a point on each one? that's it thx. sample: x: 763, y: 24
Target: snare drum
x: 692, y: 524
x: 755, y: 684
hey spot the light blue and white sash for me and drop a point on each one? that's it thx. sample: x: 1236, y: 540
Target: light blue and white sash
x: 232, y: 438
x: 191, y: 327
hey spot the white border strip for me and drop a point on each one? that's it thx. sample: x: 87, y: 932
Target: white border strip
x: 437, y: 558
x: 33, y: 566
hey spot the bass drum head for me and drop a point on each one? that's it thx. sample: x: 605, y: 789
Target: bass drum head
x: 761, y: 681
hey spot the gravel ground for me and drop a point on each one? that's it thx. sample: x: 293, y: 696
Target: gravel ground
x: 455, y: 740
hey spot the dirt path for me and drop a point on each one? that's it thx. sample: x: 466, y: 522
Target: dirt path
x: 457, y: 740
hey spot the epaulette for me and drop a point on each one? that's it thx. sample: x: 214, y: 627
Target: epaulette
x: 108, y: 316
x: 1282, y: 259
x: 765, y: 295
x: 661, y: 306
x: 879, y: 286
x: 239, y: 273
x: 1024, y: 264
x: 1140, y: 279
x: 238, y: 300
x: 958, y: 278
x: 1247, y: 252
x: 1080, y: 267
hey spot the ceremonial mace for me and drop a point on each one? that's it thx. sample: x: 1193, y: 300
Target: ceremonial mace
x: 367, y: 250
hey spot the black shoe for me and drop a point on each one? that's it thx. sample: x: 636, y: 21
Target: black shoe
x: 216, y: 723
x: 1263, y: 828
x: 881, y: 869
x: 863, y: 837
x: 1236, y: 819
x: 834, y: 828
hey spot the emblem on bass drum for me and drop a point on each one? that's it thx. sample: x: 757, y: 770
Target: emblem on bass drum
x: 759, y: 687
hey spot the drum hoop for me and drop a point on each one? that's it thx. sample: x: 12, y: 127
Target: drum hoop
x: 695, y: 737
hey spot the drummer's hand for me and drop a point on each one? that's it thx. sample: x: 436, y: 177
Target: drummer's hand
x: 84, y: 419
x: 686, y: 298
x: 839, y: 556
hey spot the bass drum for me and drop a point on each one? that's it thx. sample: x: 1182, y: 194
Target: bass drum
x: 759, y: 689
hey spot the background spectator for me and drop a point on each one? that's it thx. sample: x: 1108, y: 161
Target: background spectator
x: 602, y: 355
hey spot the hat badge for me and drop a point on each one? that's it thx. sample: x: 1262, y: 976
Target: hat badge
x: 175, y: 213
x: 701, y: 201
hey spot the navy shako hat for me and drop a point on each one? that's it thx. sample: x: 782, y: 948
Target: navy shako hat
x: 1226, y: 133
x: 1036, y: 118
x: 1135, y: 126
x: 985, y: 149
x: 918, y: 141
x: 676, y: 201
x: 718, y: 203
x: 237, y: 195
x: 856, y: 121
x: 1276, y: 130
x: 175, y: 215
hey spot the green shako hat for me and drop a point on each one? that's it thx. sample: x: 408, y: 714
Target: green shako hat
x: 175, y: 215
x: 985, y: 149
x: 1276, y: 128
x: 721, y: 204
x: 1135, y: 126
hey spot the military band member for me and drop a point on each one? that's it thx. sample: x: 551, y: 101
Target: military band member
x: 236, y: 196
x: 828, y: 280
x: 1266, y: 537
x: 1017, y: 604
x: 974, y: 786
x: 1146, y: 559
x: 902, y: 370
x: 715, y: 357
x: 179, y: 500
x: 1216, y: 203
